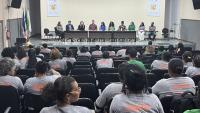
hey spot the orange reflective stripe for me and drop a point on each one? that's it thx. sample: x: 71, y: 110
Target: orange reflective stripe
x: 181, y: 86
x: 38, y: 87
x: 138, y: 107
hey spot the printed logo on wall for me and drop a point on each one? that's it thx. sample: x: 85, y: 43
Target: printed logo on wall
x: 153, y: 8
x: 53, y: 8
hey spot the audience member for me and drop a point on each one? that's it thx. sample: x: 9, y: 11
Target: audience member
x: 177, y: 84
x: 64, y: 91
x: 7, y: 74
x: 141, y: 31
x: 180, y: 49
x: 121, y: 52
x: 97, y: 51
x: 81, y: 26
x: 122, y: 27
x: 152, y: 31
x: 102, y: 27
x: 38, y: 54
x: 195, y: 69
x: 32, y: 60
x: 111, y: 26
x: 93, y: 26
x: 161, y: 49
x: 110, y: 51
x: 163, y: 63
x: 22, y: 58
x: 35, y: 85
x: 149, y: 49
x: 69, y: 57
x: 131, y: 27
x: 45, y: 49
x: 187, y: 59
x: 105, y: 62
x: 56, y: 62
x: 135, y: 98
x: 83, y: 52
x: 69, y: 26
x: 171, y: 49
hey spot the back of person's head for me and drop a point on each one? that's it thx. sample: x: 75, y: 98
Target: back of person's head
x: 6, y: 64
x: 69, y: 53
x: 83, y: 49
x: 110, y: 48
x: 45, y: 45
x: 132, y: 52
x: 21, y: 53
x: 105, y: 54
x: 121, y: 69
x: 8, y: 52
x: 55, y: 54
x: 97, y: 47
x: 170, y: 48
x: 37, y: 50
x: 187, y: 56
x: 161, y: 48
x: 150, y: 43
x: 175, y: 67
x: 32, y: 58
x: 64, y: 90
x: 180, y: 45
x: 41, y: 67
x: 196, y: 61
x: 134, y: 79
x: 166, y: 56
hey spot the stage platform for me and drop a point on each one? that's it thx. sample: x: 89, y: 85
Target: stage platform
x: 37, y: 41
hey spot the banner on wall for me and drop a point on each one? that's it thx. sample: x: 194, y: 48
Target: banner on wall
x: 153, y: 8
x: 53, y: 8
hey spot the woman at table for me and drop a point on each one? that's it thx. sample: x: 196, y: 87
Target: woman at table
x: 102, y: 27
x: 141, y: 31
x: 111, y: 26
x: 131, y: 27
x: 81, y: 26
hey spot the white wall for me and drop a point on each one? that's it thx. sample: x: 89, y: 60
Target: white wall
x: 101, y: 10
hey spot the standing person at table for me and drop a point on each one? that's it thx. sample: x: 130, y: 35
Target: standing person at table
x: 122, y: 27
x: 152, y: 31
x: 141, y: 31
x: 102, y: 27
x: 111, y: 26
x: 69, y: 26
x: 93, y: 26
x: 131, y: 27
x: 81, y: 26
x: 59, y: 28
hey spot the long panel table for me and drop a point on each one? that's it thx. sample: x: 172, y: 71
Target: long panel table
x: 93, y: 36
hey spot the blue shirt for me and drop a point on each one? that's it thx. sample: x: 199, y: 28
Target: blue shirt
x: 102, y: 28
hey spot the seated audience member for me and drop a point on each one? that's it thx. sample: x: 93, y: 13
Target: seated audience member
x: 64, y: 91
x: 121, y: 52
x: 97, y: 51
x: 149, y: 49
x: 135, y: 98
x: 110, y: 91
x: 69, y: 57
x: 161, y: 49
x: 22, y: 58
x: 93, y: 26
x: 102, y: 27
x: 69, y: 26
x: 59, y: 29
x: 141, y: 31
x: 195, y: 69
x: 131, y: 27
x: 45, y: 48
x: 56, y: 62
x: 152, y: 31
x: 110, y: 51
x: 163, y: 63
x: 7, y: 74
x: 180, y: 49
x: 38, y: 54
x: 105, y: 62
x: 177, y: 84
x: 32, y: 60
x: 83, y: 52
x: 8, y: 52
x: 111, y: 26
x: 81, y: 26
x: 132, y: 53
x: 171, y: 49
x: 122, y: 27
x: 187, y: 59
x: 35, y: 85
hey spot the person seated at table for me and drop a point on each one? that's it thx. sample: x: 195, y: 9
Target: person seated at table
x: 97, y: 51
x: 81, y: 26
x: 105, y: 62
x: 83, y: 52
x: 69, y: 26
x: 122, y: 27
x: 131, y: 27
x: 59, y: 28
x: 93, y: 26
x: 111, y: 26
x: 141, y: 31
x: 152, y: 31
x: 102, y: 27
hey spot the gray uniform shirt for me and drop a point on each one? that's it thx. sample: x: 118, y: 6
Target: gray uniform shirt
x: 192, y: 71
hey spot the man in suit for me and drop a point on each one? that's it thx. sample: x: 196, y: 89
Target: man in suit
x: 69, y: 26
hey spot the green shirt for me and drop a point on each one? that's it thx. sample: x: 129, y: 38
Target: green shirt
x: 138, y: 63
x: 131, y: 27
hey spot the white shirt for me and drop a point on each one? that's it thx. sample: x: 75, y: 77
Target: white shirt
x: 105, y: 63
x: 159, y: 64
x: 192, y: 71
